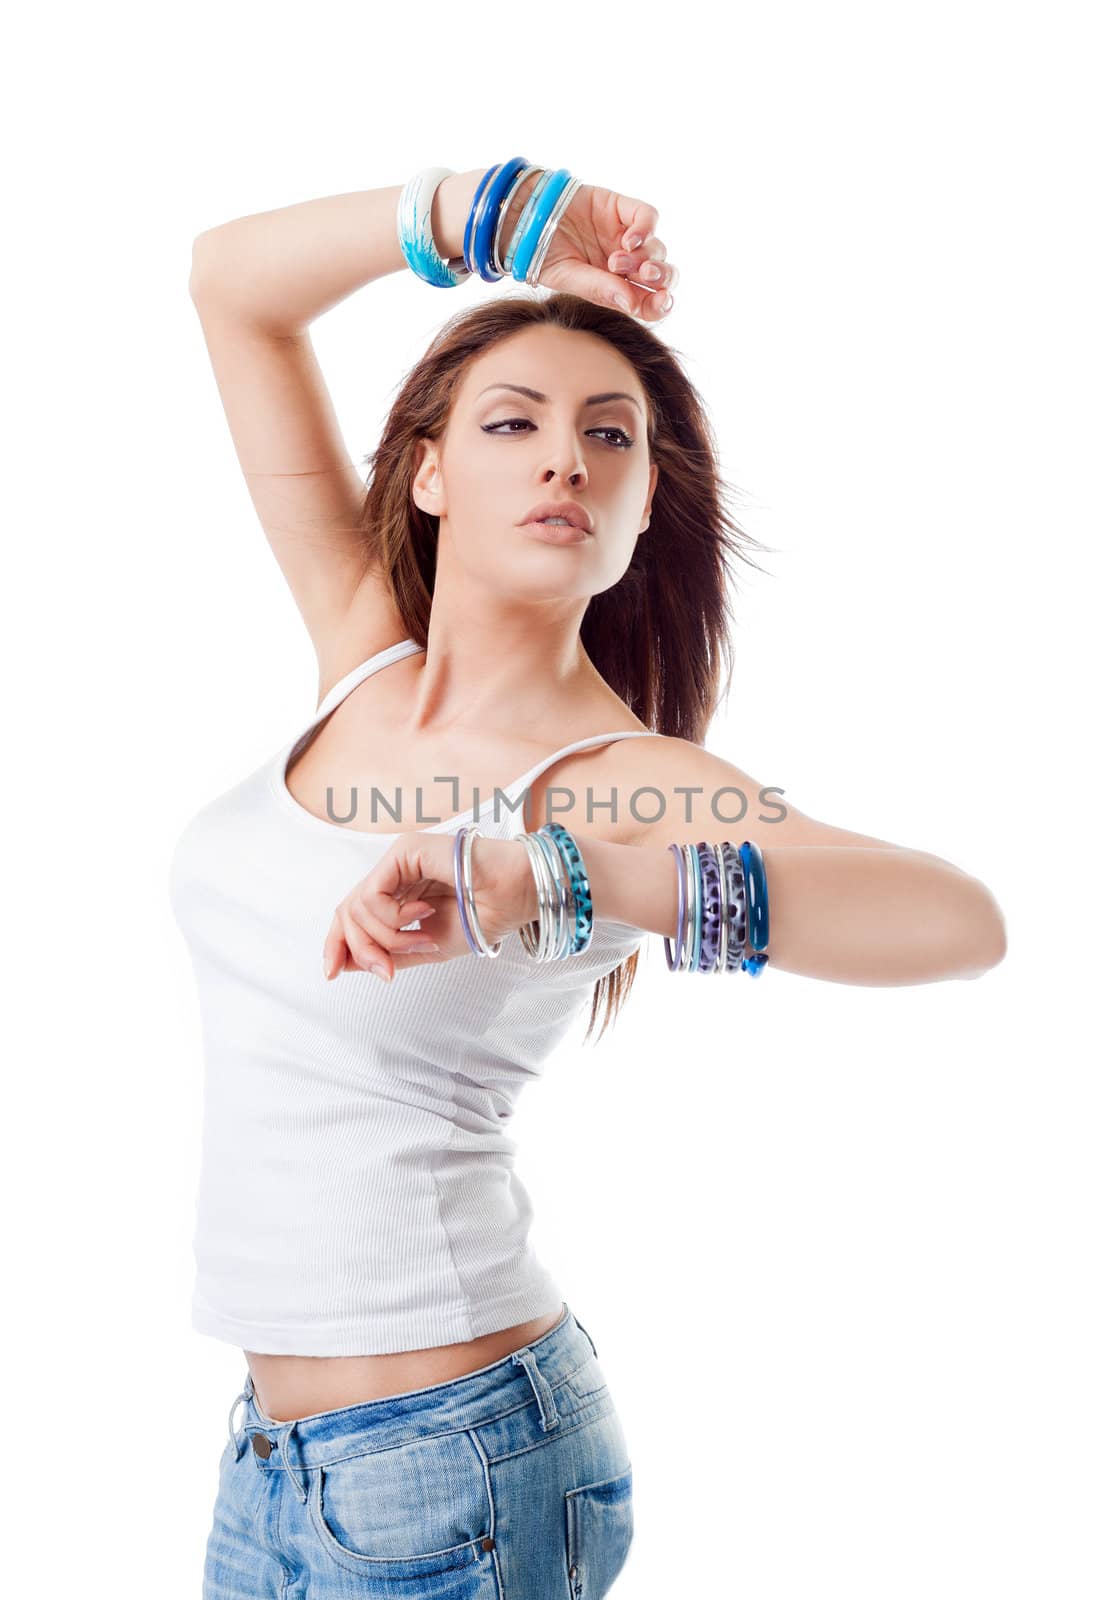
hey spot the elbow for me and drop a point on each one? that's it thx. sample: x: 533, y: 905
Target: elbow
x: 983, y: 935
x: 201, y: 269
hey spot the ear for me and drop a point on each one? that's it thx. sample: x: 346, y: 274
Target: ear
x: 654, y: 474
x: 426, y: 484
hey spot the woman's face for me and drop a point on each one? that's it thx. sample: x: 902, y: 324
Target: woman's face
x: 504, y: 453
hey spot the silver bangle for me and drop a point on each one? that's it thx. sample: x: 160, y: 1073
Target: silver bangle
x: 535, y: 936
x: 566, y: 900
x: 549, y: 938
x: 693, y: 908
x: 486, y: 949
x: 497, y: 242
x: 533, y: 272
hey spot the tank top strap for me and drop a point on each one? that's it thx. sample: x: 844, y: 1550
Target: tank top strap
x: 334, y: 697
x: 520, y: 785
x: 383, y: 658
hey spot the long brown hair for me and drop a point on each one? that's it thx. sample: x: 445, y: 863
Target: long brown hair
x: 660, y: 636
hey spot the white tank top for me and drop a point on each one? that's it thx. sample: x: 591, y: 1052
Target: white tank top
x: 357, y: 1191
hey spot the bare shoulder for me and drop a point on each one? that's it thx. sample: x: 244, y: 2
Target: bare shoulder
x: 370, y: 625
x: 670, y: 788
x: 675, y: 792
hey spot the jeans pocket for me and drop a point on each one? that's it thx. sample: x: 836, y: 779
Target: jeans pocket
x: 413, y: 1511
x: 599, y: 1528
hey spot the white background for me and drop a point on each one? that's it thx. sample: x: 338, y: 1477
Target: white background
x: 839, y: 1247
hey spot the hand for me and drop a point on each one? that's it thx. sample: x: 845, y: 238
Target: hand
x: 414, y: 880
x: 590, y: 253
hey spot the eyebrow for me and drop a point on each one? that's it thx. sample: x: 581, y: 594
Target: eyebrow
x: 543, y: 399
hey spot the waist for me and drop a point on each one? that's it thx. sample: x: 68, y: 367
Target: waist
x: 292, y: 1387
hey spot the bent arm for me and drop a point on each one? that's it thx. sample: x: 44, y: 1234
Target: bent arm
x: 873, y: 917
x: 280, y: 270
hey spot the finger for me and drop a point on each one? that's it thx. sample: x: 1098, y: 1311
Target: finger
x: 656, y: 304
x: 386, y: 918
x: 641, y: 220
x: 646, y: 266
x: 336, y: 953
x: 605, y: 288
x: 396, y: 941
x: 653, y: 249
x: 365, y: 951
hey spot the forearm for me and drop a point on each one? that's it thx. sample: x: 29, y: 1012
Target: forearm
x: 282, y: 269
x: 847, y: 915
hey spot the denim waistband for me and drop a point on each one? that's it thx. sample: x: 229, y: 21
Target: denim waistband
x: 533, y: 1372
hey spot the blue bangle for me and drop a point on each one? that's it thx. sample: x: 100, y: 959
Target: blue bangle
x: 483, y: 217
x: 578, y: 882
x: 534, y: 218
x: 466, y: 243
x: 416, y: 237
x: 510, y: 254
x: 756, y: 898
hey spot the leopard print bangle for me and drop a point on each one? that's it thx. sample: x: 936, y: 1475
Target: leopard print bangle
x: 711, y: 910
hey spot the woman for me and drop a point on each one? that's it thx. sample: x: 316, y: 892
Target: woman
x: 423, y: 1412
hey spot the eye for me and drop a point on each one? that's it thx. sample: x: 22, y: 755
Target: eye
x: 509, y: 422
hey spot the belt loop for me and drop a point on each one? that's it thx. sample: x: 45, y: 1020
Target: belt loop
x: 543, y: 1394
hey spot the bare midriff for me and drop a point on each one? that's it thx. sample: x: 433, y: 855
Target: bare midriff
x: 290, y: 1387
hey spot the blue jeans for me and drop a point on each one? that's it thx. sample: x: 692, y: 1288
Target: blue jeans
x: 510, y: 1483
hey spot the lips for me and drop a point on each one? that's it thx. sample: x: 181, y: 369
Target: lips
x: 571, y: 512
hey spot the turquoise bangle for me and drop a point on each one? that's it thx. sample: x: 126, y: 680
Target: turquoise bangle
x: 532, y: 223
x: 578, y: 883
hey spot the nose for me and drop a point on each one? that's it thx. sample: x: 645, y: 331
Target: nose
x: 569, y: 463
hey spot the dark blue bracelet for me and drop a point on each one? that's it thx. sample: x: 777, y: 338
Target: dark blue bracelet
x: 756, y: 897
x: 483, y: 218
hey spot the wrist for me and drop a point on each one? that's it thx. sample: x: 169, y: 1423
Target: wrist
x: 449, y: 211
x: 504, y: 878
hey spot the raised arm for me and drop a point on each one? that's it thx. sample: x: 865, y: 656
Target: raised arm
x: 258, y: 282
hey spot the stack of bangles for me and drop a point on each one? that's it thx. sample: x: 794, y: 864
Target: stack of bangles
x: 484, y: 251
x: 721, y: 923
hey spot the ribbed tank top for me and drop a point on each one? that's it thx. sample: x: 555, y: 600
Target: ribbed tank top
x: 357, y: 1192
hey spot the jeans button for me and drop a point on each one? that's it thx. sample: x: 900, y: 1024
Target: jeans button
x: 262, y: 1446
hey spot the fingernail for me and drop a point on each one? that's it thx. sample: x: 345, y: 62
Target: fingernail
x: 633, y: 243
x: 424, y: 944
x: 667, y: 306
x: 621, y: 300
x: 381, y: 972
